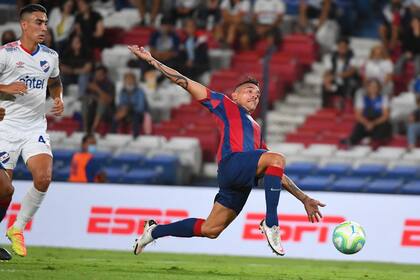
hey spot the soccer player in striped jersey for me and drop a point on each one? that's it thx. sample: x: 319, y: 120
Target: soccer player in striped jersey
x: 242, y: 158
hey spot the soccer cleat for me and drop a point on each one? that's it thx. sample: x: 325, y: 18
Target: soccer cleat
x: 18, y: 241
x: 5, y: 255
x: 273, y: 237
x: 146, y: 238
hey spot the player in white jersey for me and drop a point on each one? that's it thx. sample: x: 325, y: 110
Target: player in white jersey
x: 27, y: 68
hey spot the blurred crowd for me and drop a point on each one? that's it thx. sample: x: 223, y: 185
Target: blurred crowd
x: 77, y: 32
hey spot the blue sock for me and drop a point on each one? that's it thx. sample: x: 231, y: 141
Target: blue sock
x: 184, y: 228
x: 272, y: 186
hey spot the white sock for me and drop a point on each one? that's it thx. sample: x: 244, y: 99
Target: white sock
x: 30, y: 204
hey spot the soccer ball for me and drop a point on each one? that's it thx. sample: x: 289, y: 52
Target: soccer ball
x: 349, y: 237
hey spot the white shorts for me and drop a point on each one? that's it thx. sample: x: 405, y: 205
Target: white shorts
x: 27, y: 145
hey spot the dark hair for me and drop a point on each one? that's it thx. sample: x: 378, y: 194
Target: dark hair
x: 343, y: 40
x: 248, y: 80
x: 31, y: 8
x: 8, y: 36
x: 87, y: 137
x: 101, y: 68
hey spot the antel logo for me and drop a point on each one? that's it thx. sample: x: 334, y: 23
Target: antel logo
x: 292, y: 227
x: 411, y: 233
x: 12, y: 214
x: 127, y: 221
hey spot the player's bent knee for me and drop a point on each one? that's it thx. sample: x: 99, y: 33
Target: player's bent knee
x: 42, y: 182
x: 277, y: 159
x: 211, y: 232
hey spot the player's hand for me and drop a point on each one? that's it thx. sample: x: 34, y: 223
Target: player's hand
x: 2, y: 113
x: 312, y: 209
x: 58, y: 107
x: 141, y: 52
x: 15, y: 88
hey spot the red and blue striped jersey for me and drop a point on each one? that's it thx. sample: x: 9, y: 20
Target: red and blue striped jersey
x: 239, y: 132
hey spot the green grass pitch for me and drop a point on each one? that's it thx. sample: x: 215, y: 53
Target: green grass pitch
x: 54, y: 263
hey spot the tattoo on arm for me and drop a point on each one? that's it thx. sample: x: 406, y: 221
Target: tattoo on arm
x: 174, y: 77
x: 292, y: 188
x: 55, y: 82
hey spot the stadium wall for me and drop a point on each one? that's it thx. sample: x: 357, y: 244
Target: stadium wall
x: 111, y: 217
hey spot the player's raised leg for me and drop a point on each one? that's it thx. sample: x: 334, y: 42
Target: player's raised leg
x: 272, y: 166
x: 40, y: 167
x: 220, y: 217
x: 6, y: 193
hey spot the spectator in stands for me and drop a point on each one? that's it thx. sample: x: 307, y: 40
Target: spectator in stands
x: 194, y: 52
x: 89, y: 25
x: 413, y: 127
x: 76, y: 65
x: 84, y: 168
x: 8, y: 36
x: 393, y: 17
x: 164, y: 43
x: 208, y: 15
x: 49, y: 40
x: 380, y: 66
x: 98, y: 102
x: 132, y: 107
x: 340, y: 76
x: 61, y: 22
x: 234, y: 25
x: 411, y: 47
x: 142, y: 6
x: 183, y: 9
x: 372, y: 116
x: 315, y: 9
x: 268, y: 16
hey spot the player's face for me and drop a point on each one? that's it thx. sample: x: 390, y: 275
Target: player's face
x: 34, y: 26
x: 248, y: 96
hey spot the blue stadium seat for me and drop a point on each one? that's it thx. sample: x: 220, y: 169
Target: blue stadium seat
x: 348, y: 184
x: 114, y: 174
x: 369, y: 170
x: 384, y: 185
x: 62, y: 157
x: 167, y: 165
x: 300, y: 168
x: 315, y: 183
x: 62, y: 173
x: 141, y: 176
x: 412, y: 187
x: 127, y: 161
x: 406, y: 172
x: 337, y: 169
x: 103, y: 157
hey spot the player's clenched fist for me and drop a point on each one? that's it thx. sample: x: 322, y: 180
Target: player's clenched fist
x: 2, y: 113
x: 58, y: 107
x: 140, y: 52
x: 14, y: 88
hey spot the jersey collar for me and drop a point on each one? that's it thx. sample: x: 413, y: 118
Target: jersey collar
x: 28, y: 51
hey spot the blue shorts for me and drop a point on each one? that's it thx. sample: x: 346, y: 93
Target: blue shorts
x: 236, y: 176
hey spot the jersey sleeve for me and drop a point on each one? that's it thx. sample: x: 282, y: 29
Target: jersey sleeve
x: 56, y: 70
x: 3, y: 60
x: 213, y: 100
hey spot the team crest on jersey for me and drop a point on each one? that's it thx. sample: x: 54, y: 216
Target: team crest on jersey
x: 44, y: 65
x: 4, y: 157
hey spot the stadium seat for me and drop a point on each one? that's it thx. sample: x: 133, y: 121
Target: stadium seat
x: 61, y: 174
x: 412, y: 187
x: 127, y: 161
x: 63, y: 157
x: 168, y: 167
x: 114, y: 174
x: 141, y: 176
x: 188, y: 151
x: 337, y: 169
x: 315, y: 183
x: 369, y: 170
x: 300, y: 168
x: 348, y: 184
x: 406, y: 172
x: 384, y: 186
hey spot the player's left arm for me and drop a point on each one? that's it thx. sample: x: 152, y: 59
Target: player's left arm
x: 311, y: 205
x: 56, y: 91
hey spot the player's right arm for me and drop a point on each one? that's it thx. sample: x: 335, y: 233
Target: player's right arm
x: 13, y: 88
x: 197, y: 90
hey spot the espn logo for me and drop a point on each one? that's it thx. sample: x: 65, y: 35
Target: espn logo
x: 292, y: 227
x: 411, y: 233
x: 126, y: 221
x: 12, y: 214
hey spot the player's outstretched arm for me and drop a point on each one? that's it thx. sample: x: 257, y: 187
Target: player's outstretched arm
x: 311, y: 205
x: 197, y: 90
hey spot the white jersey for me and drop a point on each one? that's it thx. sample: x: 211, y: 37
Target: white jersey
x: 27, y: 112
